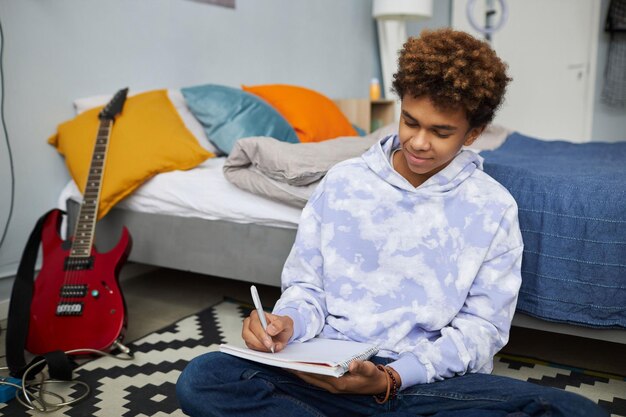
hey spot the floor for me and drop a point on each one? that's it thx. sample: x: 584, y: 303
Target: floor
x: 158, y: 297
x: 153, y: 302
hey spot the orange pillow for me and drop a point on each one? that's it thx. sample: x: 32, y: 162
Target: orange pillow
x: 147, y: 138
x: 312, y: 115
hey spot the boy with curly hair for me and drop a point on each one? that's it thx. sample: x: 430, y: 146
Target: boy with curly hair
x: 411, y: 247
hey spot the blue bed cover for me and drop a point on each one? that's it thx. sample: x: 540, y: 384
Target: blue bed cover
x: 572, y: 212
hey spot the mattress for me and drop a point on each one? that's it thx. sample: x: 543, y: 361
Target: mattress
x: 202, y: 192
x: 205, y: 193
x: 572, y: 213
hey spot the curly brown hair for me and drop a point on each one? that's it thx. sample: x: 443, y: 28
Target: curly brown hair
x: 455, y: 70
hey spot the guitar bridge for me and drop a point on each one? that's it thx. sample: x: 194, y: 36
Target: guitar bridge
x: 73, y: 263
x: 73, y: 291
x: 69, y: 309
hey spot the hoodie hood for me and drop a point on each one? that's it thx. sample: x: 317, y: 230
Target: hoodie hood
x: 462, y: 166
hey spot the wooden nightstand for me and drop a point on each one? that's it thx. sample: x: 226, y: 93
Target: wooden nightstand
x: 366, y: 114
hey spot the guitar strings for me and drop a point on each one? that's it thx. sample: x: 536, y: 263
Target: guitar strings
x: 74, y: 278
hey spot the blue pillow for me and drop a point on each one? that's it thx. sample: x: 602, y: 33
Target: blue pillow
x: 360, y: 131
x: 228, y: 114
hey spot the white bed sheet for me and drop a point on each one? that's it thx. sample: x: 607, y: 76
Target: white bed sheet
x: 205, y: 193
x: 201, y: 192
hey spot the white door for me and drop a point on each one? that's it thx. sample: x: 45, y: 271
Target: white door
x: 550, y: 47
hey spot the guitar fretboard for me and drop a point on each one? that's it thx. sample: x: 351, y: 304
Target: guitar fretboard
x: 87, y: 216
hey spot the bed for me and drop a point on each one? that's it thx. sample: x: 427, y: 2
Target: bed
x: 198, y: 221
x: 202, y: 222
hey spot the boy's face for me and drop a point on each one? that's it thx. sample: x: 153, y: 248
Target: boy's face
x: 430, y: 138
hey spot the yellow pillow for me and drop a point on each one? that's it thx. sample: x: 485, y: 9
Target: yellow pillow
x: 312, y: 115
x: 147, y: 138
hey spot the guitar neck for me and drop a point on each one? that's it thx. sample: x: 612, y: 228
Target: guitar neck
x: 88, y: 213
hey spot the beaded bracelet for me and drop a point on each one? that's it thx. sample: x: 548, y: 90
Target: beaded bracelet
x: 383, y: 398
x: 392, y: 386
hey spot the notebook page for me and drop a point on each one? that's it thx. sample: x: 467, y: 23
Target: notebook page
x: 322, y: 351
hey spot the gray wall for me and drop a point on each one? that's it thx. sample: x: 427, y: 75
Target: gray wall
x: 57, y: 51
x: 442, y: 17
x: 609, y: 123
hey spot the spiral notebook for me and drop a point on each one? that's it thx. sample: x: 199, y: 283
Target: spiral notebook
x: 318, y: 356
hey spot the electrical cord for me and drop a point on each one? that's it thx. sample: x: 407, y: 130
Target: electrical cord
x: 31, y: 393
x: 6, y: 138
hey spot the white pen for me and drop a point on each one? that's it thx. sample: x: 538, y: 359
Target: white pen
x: 259, y: 309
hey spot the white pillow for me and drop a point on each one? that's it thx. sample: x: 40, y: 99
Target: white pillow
x: 491, y: 138
x: 177, y: 99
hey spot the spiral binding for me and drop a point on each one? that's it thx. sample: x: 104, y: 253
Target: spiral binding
x: 363, y: 356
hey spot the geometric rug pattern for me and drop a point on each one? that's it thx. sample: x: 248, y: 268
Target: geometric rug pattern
x: 145, y: 386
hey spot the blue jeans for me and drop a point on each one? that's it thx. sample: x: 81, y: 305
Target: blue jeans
x: 216, y: 384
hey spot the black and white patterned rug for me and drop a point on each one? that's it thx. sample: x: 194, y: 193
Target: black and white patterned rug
x: 145, y: 386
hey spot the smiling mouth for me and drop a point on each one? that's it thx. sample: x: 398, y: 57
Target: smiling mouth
x: 416, y: 159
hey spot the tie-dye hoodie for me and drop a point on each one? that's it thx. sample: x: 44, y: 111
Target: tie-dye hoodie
x: 430, y: 274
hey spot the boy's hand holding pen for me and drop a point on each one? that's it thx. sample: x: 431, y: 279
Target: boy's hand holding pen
x: 264, y: 331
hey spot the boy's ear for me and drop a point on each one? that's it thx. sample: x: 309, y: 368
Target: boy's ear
x: 473, y: 134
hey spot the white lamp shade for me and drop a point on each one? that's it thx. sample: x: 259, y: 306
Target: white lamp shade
x: 402, y: 9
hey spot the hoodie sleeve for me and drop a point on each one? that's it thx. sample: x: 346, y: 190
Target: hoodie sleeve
x: 481, y: 327
x: 303, y: 298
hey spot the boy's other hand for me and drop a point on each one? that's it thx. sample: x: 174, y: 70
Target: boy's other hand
x: 363, y: 378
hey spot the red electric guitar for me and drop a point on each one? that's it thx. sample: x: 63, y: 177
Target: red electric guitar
x: 77, y: 302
